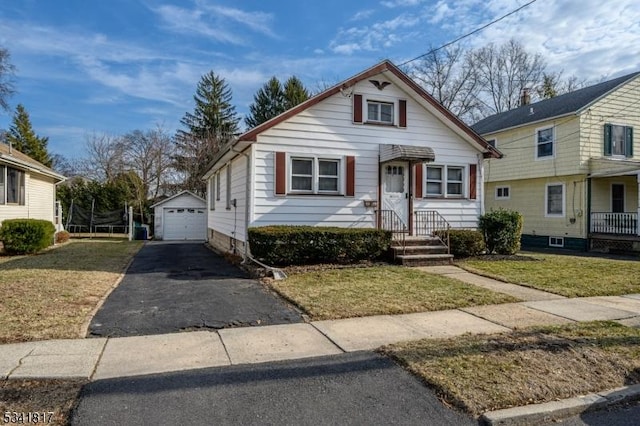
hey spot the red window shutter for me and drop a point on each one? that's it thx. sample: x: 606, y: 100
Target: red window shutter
x: 357, y: 108
x: 281, y: 173
x: 472, y: 181
x: 351, y: 176
x: 418, y: 184
x: 402, y: 106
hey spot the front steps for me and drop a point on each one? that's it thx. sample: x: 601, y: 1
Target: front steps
x: 420, y: 251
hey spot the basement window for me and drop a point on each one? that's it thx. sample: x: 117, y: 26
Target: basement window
x: 556, y: 241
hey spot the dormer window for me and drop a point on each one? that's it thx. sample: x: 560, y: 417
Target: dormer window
x: 380, y: 112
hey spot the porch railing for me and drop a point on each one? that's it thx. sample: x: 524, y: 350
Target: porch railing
x: 391, y: 221
x: 614, y: 223
x: 428, y: 222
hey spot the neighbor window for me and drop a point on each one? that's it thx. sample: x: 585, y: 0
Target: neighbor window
x: 503, y: 193
x: 381, y: 112
x: 618, y: 140
x: 314, y: 175
x: 11, y: 186
x: 445, y: 181
x: 556, y: 241
x: 544, y: 142
x: 554, y: 202
x: 212, y: 193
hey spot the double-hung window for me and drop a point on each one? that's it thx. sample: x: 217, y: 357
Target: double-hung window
x: 313, y: 175
x: 554, y: 200
x: 618, y: 140
x: 445, y: 181
x: 11, y: 186
x: 545, y: 143
x: 380, y: 112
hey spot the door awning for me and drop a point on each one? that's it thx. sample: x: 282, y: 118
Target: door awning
x: 414, y: 154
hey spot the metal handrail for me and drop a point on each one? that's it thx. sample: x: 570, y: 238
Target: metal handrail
x: 428, y: 222
x: 389, y: 220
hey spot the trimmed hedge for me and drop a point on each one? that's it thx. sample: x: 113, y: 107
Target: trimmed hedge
x: 23, y: 236
x: 299, y: 245
x: 502, y: 230
x: 464, y: 242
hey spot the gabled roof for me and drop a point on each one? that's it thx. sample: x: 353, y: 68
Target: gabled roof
x: 386, y: 65
x: 166, y: 200
x: 569, y: 103
x: 14, y: 157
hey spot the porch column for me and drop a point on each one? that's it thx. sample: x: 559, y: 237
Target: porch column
x: 638, y: 217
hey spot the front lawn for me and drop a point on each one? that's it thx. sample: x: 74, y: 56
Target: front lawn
x: 489, y: 372
x: 356, y: 292
x: 570, y: 276
x: 51, y: 294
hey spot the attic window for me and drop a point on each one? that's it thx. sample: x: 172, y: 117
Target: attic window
x: 380, y: 112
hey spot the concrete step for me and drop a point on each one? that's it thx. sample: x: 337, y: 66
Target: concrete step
x: 434, y: 249
x: 417, y: 241
x: 424, y: 259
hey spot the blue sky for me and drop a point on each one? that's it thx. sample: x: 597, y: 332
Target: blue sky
x: 87, y: 66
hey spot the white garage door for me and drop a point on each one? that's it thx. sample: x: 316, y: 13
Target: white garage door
x: 184, y: 224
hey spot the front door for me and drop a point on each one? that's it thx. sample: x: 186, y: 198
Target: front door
x: 395, y: 190
x: 617, y: 198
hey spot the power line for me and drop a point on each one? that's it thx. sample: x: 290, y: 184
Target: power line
x: 469, y: 34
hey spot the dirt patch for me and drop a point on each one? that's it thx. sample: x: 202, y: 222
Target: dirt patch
x: 38, y: 401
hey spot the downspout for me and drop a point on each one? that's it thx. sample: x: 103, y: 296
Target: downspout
x: 278, y: 274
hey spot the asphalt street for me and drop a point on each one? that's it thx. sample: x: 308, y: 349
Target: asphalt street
x: 349, y: 389
x: 172, y: 287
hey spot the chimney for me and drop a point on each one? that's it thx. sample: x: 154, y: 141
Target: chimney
x: 525, y: 97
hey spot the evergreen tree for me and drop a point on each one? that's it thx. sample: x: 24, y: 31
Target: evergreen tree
x: 273, y: 99
x: 24, y: 139
x: 212, y: 124
x: 294, y: 92
x: 268, y: 102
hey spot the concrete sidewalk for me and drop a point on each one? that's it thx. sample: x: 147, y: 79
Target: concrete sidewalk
x: 101, y: 358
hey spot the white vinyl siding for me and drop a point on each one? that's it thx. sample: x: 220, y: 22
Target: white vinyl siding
x: 326, y: 130
x: 231, y: 186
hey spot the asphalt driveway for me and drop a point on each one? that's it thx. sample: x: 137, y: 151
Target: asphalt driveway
x: 172, y: 287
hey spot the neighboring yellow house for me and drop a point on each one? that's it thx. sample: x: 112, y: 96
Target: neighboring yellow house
x: 571, y: 166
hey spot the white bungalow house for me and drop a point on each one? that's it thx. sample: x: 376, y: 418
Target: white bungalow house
x: 373, y: 151
x: 27, y: 188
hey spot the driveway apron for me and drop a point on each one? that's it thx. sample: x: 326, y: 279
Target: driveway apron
x: 172, y: 287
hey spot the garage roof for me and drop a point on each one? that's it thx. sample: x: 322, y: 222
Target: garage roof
x: 166, y: 200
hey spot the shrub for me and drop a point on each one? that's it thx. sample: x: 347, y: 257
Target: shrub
x: 22, y: 236
x: 62, y: 237
x: 299, y: 245
x: 464, y: 242
x: 501, y: 230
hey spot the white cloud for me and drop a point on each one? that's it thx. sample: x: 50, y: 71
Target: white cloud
x: 213, y: 21
x: 362, y: 15
x: 400, y: 3
x: 376, y: 36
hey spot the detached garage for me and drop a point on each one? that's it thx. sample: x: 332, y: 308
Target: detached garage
x: 181, y: 217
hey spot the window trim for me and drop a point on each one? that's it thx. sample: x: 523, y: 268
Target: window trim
x: 546, y: 200
x: 559, y: 242
x: 315, y: 174
x: 503, y: 197
x: 444, y: 182
x: 380, y: 103
x: 553, y: 142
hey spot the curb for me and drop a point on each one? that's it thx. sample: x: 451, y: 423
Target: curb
x: 557, y: 410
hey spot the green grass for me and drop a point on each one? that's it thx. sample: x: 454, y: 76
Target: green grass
x: 490, y: 372
x: 50, y: 295
x: 570, y: 276
x: 356, y: 292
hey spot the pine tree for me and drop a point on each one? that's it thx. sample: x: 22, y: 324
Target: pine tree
x: 24, y: 139
x: 294, y: 92
x: 212, y: 124
x: 273, y: 99
x: 268, y: 102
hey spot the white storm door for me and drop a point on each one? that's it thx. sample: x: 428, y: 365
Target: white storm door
x: 395, y: 189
